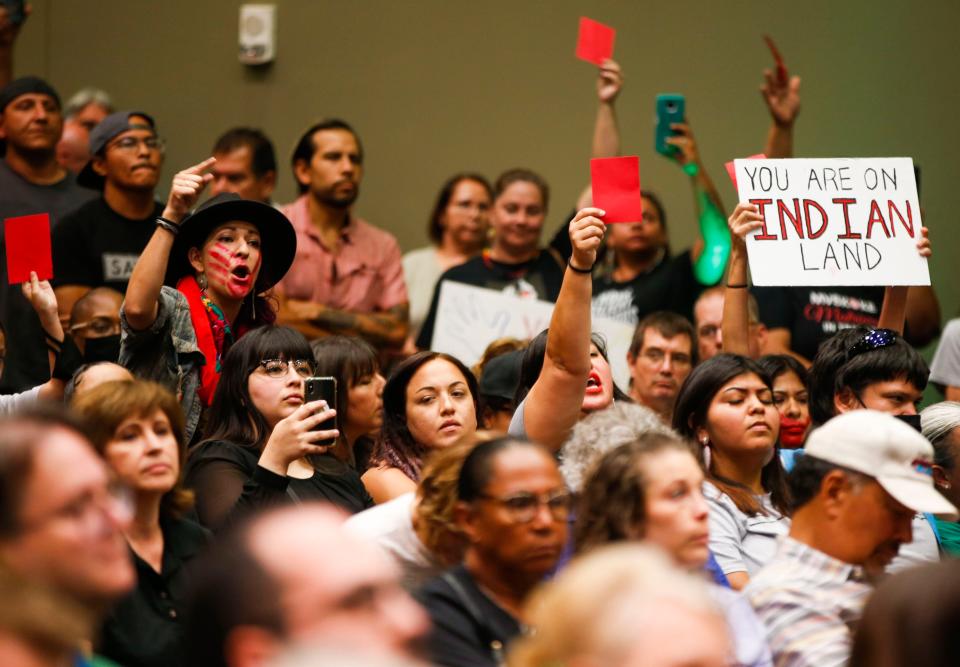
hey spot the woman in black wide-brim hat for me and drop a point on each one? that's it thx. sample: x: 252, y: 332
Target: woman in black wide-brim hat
x: 198, y: 287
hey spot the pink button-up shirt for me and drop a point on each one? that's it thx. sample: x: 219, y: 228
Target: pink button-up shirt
x: 364, y: 275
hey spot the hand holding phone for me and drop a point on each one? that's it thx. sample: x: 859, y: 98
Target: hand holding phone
x: 671, y: 108
x: 322, y: 389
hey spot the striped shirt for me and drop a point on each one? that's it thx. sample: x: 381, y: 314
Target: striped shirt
x: 810, y: 604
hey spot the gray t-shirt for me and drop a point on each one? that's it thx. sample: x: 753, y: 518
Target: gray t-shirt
x: 517, y: 428
x: 739, y: 542
x: 390, y: 526
x: 945, y: 369
x: 27, y: 364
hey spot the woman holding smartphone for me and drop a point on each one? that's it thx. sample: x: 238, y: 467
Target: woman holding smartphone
x: 262, y: 446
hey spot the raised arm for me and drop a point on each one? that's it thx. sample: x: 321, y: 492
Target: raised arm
x: 553, y: 405
x: 783, y: 101
x: 606, y: 134
x: 143, y: 291
x: 736, y: 316
x: 896, y: 300
x: 8, y: 39
x: 712, y: 247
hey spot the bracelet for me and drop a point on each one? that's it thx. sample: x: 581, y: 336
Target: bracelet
x: 169, y: 225
x: 691, y: 168
x: 578, y: 270
x: 741, y: 286
x: 54, y: 345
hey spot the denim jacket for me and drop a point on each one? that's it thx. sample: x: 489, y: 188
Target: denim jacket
x: 167, y: 353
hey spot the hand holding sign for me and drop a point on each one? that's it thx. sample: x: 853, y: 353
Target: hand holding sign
x: 609, y: 82
x: 28, y: 248
x: 595, y: 41
x: 586, y: 234
x: 616, y: 188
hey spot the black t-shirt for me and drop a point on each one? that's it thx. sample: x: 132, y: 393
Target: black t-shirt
x: 26, y: 364
x: 670, y: 285
x: 230, y: 485
x: 462, y: 631
x: 540, y: 277
x: 144, y: 628
x: 98, y: 247
x: 813, y: 314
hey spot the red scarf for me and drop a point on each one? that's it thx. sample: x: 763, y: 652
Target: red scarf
x: 212, y: 346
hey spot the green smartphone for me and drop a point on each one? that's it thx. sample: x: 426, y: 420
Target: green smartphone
x: 671, y: 108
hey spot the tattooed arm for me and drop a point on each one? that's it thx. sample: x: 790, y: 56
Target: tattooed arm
x: 387, y: 328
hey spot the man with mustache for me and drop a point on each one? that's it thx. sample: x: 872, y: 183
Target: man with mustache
x: 347, y: 277
x: 99, y: 243
x: 863, y: 476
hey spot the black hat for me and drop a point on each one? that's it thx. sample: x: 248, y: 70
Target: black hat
x: 501, y: 375
x: 24, y: 85
x: 277, y: 237
x: 113, y: 125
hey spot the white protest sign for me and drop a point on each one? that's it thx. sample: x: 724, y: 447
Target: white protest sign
x: 470, y: 318
x: 838, y: 221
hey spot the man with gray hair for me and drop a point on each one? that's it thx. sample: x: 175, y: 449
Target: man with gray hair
x: 863, y: 476
x: 83, y: 112
x: 940, y: 425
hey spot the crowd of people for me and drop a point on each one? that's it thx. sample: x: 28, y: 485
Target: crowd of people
x: 173, y: 491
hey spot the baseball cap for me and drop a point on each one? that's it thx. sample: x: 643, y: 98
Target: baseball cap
x: 888, y: 450
x: 115, y: 124
x: 501, y: 375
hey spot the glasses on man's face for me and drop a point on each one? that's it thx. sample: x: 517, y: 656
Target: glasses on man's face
x: 522, y: 507
x: 277, y: 368
x: 872, y: 340
x: 130, y: 144
x: 97, y: 327
x: 113, y: 502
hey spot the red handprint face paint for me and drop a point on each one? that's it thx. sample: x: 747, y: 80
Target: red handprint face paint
x: 232, y: 259
x: 793, y: 431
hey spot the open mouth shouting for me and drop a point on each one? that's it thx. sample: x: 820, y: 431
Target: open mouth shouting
x: 594, y: 384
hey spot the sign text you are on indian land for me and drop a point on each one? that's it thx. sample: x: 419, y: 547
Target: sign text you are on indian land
x: 834, y: 221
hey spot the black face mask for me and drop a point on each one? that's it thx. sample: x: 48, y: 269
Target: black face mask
x: 102, y: 349
x: 910, y: 420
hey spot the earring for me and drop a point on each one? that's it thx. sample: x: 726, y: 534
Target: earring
x: 202, y: 281
x: 705, y: 440
x: 253, y: 307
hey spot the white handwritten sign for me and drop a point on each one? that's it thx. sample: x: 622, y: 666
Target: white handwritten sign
x: 838, y: 221
x: 470, y: 318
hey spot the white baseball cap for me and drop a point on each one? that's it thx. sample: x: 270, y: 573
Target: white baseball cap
x: 890, y: 451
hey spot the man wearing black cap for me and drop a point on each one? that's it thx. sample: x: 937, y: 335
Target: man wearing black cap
x: 31, y: 182
x: 98, y: 244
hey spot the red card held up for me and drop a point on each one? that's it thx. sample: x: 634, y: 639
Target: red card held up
x: 616, y: 188
x: 732, y: 170
x: 594, y: 41
x: 28, y: 247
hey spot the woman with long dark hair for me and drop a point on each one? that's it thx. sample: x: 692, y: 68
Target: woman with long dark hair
x: 726, y: 405
x: 429, y: 402
x: 264, y: 445
x: 355, y: 365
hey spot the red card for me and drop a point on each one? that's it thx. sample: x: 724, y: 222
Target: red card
x: 595, y: 41
x: 28, y: 247
x: 616, y: 188
x: 732, y: 171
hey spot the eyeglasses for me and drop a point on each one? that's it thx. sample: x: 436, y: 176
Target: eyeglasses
x: 114, y: 500
x: 522, y: 507
x: 872, y: 340
x: 130, y: 144
x: 99, y: 326
x: 277, y: 368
